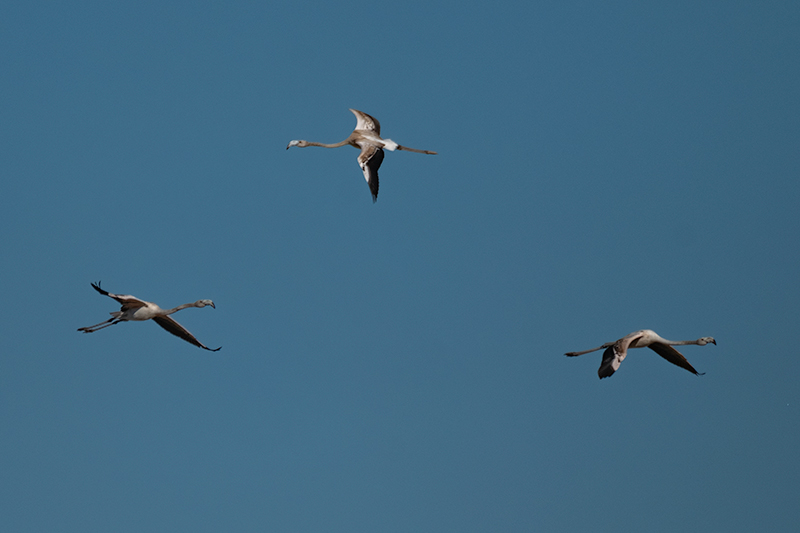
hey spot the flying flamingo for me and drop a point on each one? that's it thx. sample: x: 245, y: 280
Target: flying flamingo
x: 367, y: 137
x: 617, y: 350
x: 135, y: 309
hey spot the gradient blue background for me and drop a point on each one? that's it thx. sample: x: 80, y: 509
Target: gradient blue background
x: 603, y: 167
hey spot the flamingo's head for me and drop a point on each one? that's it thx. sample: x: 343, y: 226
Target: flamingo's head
x: 203, y: 303
x: 301, y: 144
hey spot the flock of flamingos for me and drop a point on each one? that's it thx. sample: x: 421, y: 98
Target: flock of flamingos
x: 367, y: 138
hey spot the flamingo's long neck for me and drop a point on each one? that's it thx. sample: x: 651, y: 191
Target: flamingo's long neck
x: 680, y: 343
x: 176, y: 309
x: 334, y: 145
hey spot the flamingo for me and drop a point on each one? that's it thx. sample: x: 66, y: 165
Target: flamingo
x: 367, y: 137
x: 135, y: 309
x: 617, y: 350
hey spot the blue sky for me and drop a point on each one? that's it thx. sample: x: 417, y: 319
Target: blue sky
x: 398, y: 366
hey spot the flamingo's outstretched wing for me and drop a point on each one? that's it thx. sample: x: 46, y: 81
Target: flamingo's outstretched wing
x: 612, y: 358
x: 673, y: 356
x: 366, y: 122
x: 169, y: 324
x: 127, y: 301
x: 615, y: 354
x: 370, y: 160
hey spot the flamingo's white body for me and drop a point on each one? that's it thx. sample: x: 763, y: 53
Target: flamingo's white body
x: 616, y: 351
x: 135, y: 309
x: 367, y: 138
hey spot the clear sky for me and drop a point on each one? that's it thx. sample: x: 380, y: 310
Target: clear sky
x: 602, y: 167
